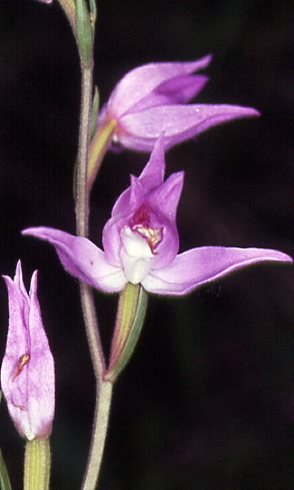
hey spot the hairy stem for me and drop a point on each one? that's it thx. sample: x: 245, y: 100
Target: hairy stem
x: 82, y: 201
x: 103, y: 402
x: 103, y: 389
x: 82, y: 222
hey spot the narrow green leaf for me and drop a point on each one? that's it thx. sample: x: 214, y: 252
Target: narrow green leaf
x: 4, y: 478
x: 84, y: 33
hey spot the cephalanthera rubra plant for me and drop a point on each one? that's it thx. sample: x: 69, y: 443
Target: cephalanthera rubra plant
x: 150, y: 110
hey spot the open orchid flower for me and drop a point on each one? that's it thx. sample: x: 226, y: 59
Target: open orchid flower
x: 152, y: 99
x: 141, y: 242
x: 27, y: 372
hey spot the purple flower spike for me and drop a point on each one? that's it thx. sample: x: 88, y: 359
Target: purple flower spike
x: 27, y: 372
x: 152, y: 99
x: 141, y: 242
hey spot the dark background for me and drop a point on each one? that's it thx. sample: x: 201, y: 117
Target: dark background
x: 206, y: 402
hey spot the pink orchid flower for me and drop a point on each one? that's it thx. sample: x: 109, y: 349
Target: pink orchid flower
x: 27, y: 372
x: 152, y: 99
x: 141, y: 242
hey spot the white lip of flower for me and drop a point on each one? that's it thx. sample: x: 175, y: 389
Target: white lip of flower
x: 138, y: 251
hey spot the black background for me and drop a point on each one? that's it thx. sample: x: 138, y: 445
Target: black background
x: 206, y: 402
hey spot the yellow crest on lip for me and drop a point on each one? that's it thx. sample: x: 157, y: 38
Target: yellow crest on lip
x: 152, y: 235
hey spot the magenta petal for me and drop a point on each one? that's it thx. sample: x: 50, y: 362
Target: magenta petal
x: 29, y: 386
x: 126, y: 205
x: 178, y: 90
x: 202, y: 265
x: 165, y: 198
x: 129, y: 198
x: 82, y: 259
x: 139, y: 131
x: 41, y: 381
x: 151, y: 176
x: 136, y: 195
x: 140, y: 82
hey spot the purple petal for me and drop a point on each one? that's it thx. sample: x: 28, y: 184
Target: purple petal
x: 163, y: 202
x: 41, y: 379
x: 182, y: 89
x: 126, y: 205
x: 82, y: 259
x: 140, y: 82
x: 202, y: 265
x: 17, y: 338
x: 178, y: 90
x: 151, y: 176
x: 167, y: 250
x: 129, y: 200
x: 165, y: 198
x: 111, y: 239
x: 178, y: 122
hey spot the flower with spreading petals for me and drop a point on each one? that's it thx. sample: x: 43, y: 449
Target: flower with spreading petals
x: 141, y: 242
x: 27, y: 372
x: 152, y: 99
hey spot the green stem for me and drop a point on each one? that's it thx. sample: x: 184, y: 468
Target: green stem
x: 82, y: 218
x: 82, y: 201
x: 103, y: 389
x: 92, y: 331
x: 82, y: 222
x: 102, y: 409
x: 37, y: 464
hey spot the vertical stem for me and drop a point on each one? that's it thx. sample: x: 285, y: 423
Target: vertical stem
x: 103, y: 402
x: 92, y: 331
x: 82, y: 220
x: 103, y: 389
x: 82, y: 202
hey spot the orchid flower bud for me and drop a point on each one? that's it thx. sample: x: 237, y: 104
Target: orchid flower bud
x: 27, y: 372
